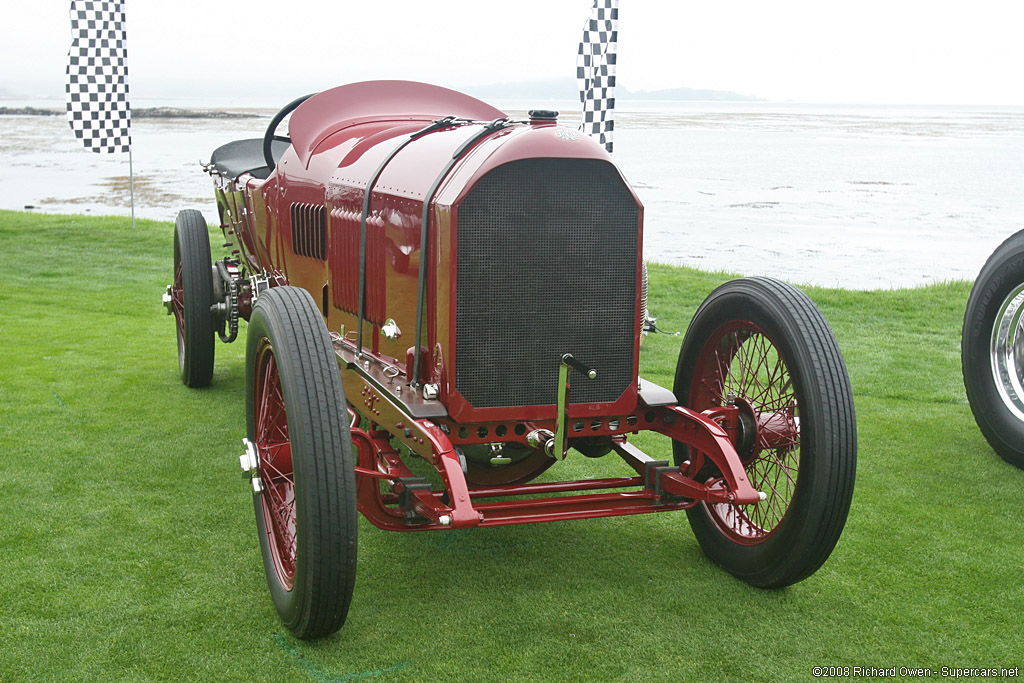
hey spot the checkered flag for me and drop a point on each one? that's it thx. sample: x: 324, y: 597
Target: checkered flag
x: 595, y: 71
x: 97, y: 76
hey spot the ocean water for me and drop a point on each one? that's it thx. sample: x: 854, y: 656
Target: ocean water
x: 848, y: 196
x: 856, y: 197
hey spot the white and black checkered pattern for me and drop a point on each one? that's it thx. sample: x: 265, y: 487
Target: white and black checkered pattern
x: 595, y: 71
x: 97, y: 76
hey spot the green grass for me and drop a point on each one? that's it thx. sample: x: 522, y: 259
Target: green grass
x: 128, y: 547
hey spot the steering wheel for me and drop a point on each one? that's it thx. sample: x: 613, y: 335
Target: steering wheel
x: 270, y: 136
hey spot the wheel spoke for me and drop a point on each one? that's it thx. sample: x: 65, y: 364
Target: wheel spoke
x: 263, y: 390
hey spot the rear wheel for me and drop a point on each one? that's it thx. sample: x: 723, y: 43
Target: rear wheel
x: 762, y: 345
x: 191, y: 298
x: 305, y: 479
x: 992, y: 350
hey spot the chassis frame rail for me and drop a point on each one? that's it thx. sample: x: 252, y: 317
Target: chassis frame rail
x: 409, y: 504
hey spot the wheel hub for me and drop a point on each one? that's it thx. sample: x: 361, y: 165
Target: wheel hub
x: 746, y: 431
x: 758, y: 430
x: 1007, y: 352
x: 168, y: 299
x: 250, y: 462
x: 250, y: 459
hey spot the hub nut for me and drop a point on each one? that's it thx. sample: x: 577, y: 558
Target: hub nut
x: 249, y: 460
x: 168, y: 300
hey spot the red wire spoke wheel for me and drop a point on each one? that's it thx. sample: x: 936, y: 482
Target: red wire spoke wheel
x: 305, y: 500
x: 275, y: 465
x: 191, y: 298
x: 178, y: 305
x: 741, y: 365
x: 992, y: 350
x: 762, y: 346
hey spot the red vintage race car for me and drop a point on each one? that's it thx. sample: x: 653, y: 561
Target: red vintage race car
x: 444, y: 303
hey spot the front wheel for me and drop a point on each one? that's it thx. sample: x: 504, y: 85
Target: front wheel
x: 764, y: 347
x: 992, y: 350
x: 304, y: 480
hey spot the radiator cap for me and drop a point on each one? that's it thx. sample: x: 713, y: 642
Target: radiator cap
x: 543, y: 116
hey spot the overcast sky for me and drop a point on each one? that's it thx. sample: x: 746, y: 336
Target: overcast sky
x: 842, y: 51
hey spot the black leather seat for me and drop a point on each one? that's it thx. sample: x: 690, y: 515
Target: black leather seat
x: 246, y: 156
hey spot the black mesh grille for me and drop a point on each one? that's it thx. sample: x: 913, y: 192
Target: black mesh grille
x: 547, y: 254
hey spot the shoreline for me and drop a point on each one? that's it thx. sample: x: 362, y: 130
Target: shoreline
x: 143, y: 113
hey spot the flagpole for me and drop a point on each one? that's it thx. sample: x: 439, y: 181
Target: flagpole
x: 131, y: 183
x: 131, y: 168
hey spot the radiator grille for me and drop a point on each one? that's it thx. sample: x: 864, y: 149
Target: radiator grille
x: 309, y: 234
x: 547, y: 264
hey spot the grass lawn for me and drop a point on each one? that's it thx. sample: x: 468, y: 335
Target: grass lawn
x: 128, y: 547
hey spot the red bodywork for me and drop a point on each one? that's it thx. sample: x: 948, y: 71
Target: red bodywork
x: 301, y: 226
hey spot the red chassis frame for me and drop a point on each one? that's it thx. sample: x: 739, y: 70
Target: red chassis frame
x: 413, y: 506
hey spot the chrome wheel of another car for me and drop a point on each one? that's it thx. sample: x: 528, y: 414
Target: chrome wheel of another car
x: 1008, y: 352
x: 992, y: 350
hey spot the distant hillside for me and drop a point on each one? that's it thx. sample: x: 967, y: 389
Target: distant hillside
x: 567, y: 90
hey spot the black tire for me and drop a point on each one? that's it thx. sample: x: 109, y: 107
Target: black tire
x: 312, y: 531
x: 801, y: 417
x: 993, y: 379
x: 192, y: 296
